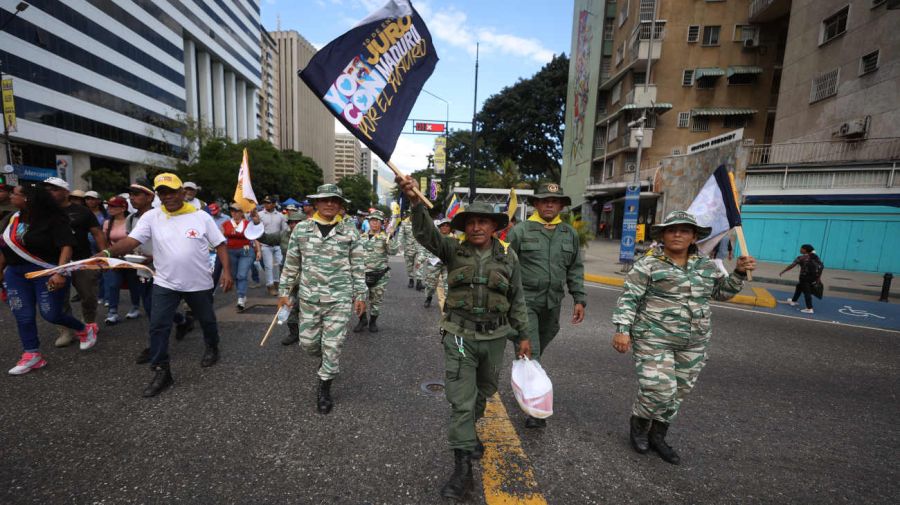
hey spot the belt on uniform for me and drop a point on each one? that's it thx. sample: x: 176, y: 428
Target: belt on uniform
x: 479, y: 326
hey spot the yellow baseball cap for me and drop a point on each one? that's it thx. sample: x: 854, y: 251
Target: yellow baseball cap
x: 168, y: 180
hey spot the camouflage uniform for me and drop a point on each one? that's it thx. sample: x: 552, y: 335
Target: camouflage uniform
x: 377, y: 249
x: 330, y: 280
x: 411, y: 248
x: 665, y: 309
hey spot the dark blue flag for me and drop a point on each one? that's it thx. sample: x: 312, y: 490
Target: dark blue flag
x: 369, y: 77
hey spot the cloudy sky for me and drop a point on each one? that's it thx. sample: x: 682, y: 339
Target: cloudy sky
x: 516, y: 39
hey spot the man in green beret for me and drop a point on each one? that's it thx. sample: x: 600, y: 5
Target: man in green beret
x: 550, y: 253
x: 484, y: 304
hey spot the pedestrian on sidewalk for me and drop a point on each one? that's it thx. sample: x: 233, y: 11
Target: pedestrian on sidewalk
x: 274, y: 223
x: 38, y: 236
x: 482, y: 271
x: 378, y: 248
x: 330, y: 284
x: 182, y: 235
x: 663, y: 315
x: 811, y: 268
x: 550, y: 253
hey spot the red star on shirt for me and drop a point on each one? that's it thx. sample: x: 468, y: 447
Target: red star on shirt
x: 192, y: 234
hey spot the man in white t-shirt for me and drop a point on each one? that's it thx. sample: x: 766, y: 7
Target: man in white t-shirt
x: 182, y: 235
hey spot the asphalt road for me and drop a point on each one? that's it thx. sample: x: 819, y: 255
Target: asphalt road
x: 786, y: 411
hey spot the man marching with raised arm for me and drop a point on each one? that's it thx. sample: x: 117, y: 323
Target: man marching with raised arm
x: 550, y: 253
x: 325, y: 262
x: 485, y: 302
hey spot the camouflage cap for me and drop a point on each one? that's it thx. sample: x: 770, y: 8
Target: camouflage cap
x: 680, y: 217
x: 376, y: 215
x: 296, y: 215
x: 328, y: 191
x: 549, y: 190
x: 478, y: 209
x: 442, y: 222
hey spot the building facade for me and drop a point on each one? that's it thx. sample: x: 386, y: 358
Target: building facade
x: 108, y: 85
x: 306, y: 124
x: 347, y: 156
x: 269, y: 111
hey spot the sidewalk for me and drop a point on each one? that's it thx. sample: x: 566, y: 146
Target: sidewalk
x: 601, y: 262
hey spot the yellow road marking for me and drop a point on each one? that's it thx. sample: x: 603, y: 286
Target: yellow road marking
x: 507, y: 475
x: 760, y: 298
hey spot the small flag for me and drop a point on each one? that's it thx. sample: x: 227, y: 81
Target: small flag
x: 395, y: 218
x: 716, y: 206
x: 243, y: 193
x: 512, y: 203
x: 453, y: 208
x: 370, y: 76
x: 433, y: 190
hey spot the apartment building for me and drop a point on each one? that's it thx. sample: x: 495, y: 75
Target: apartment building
x: 306, y: 125
x: 108, y: 84
x: 347, y: 156
x: 269, y: 112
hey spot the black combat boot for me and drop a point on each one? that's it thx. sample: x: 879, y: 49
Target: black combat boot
x: 323, y: 400
x: 373, y: 328
x: 293, y: 335
x: 658, y: 442
x: 361, y: 325
x: 478, y: 452
x: 210, y: 356
x: 428, y: 301
x: 534, y: 422
x: 639, y: 429
x: 161, y: 381
x: 411, y: 284
x: 419, y: 285
x: 460, y: 482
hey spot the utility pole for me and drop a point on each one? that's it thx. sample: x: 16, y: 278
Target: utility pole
x: 473, y: 155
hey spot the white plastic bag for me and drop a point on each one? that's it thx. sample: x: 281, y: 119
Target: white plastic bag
x: 532, y: 388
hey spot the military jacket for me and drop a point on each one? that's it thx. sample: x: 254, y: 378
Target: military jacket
x: 324, y: 269
x: 284, y: 241
x: 406, y: 236
x: 551, y: 261
x: 485, y: 290
x: 378, y: 248
x: 662, y: 299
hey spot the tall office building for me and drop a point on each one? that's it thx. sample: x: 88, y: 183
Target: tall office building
x: 106, y: 84
x: 269, y: 112
x: 347, y: 156
x: 306, y: 124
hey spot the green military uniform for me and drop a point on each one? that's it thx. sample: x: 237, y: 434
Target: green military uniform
x: 330, y: 280
x: 484, y: 303
x: 550, y: 254
x: 665, y: 309
x: 411, y: 250
x: 435, y: 274
x: 378, y: 248
x: 293, y: 216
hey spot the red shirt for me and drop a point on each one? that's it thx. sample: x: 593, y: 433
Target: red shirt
x: 234, y: 238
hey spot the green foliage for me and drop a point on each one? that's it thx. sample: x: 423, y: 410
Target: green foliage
x: 359, y: 191
x: 107, y: 181
x: 581, y: 227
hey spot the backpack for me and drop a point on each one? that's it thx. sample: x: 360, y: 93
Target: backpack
x: 815, y: 267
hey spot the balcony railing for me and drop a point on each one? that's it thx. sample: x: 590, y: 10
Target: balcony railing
x: 804, y: 179
x: 640, y: 97
x: 826, y: 151
x: 767, y: 10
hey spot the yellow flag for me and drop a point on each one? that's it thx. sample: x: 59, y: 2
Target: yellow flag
x: 243, y: 193
x: 513, y: 203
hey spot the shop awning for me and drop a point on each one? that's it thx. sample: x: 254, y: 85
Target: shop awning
x: 656, y: 106
x: 743, y: 69
x: 701, y: 73
x: 722, y: 111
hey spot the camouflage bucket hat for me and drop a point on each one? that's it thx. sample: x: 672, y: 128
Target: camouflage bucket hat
x: 549, y: 190
x: 680, y: 217
x: 296, y: 215
x: 480, y: 209
x: 376, y: 215
x: 328, y: 191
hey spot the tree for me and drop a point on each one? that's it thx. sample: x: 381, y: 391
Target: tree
x: 525, y: 122
x: 359, y: 191
x: 309, y: 175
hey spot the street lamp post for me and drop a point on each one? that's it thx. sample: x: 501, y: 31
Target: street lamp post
x: 21, y: 6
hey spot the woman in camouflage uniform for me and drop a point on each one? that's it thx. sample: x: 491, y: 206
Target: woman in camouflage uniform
x: 664, y: 316
x: 378, y: 247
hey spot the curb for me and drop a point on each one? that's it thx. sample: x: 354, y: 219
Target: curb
x: 760, y: 298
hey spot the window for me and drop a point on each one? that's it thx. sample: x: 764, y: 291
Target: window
x: 646, y: 10
x: 605, y: 66
x: 868, y: 63
x: 711, y: 35
x: 638, y: 78
x: 834, y: 25
x: 824, y: 86
x: 616, y: 92
x: 613, y: 131
x: 620, y: 53
x: 693, y: 34
x: 609, y: 28
x: 743, y: 79
x: 706, y: 83
x: 684, y: 119
x: 610, y: 168
x: 700, y: 124
x: 876, y: 3
x: 735, y: 121
x: 744, y: 33
x: 687, y: 79
x: 623, y: 13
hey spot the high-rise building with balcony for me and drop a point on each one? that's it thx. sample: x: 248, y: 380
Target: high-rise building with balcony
x: 269, y: 112
x: 347, y: 156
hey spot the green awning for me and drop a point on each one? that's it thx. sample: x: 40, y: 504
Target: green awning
x: 700, y: 73
x: 722, y: 111
x: 743, y: 69
x: 657, y: 106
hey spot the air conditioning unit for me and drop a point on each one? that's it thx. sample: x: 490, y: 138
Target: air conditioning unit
x: 854, y: 128
x: 630, y: 167
x: 750, y: 44
x: 749, y: 142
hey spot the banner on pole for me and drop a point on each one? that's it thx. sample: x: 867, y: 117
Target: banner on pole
x: 716, y: 206
x: 440, y: 155
x: 629, y: 223
x: 9, y: 105
x: 243, y: 192
x: 370, y: 77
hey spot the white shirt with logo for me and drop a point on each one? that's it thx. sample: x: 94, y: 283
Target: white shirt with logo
x: 180, y: 248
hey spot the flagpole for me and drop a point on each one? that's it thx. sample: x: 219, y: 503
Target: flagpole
x: 473, y: 154
x: 743, y: 243
x: 401, y: 175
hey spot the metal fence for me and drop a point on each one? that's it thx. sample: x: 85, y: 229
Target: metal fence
x: 881, y: 149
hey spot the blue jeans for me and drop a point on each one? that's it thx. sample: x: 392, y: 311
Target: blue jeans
x: 165, y: 303
x: 113, y: 280
x: 26, y: 294
x: 241, y: 260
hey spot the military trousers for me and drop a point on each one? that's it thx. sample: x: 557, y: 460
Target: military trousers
x: 667, y: 369
x: 323, y: 330
x: 471, y: 376
x: 543, y: 325
x: 376, y: 295
x: 410, y: 258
